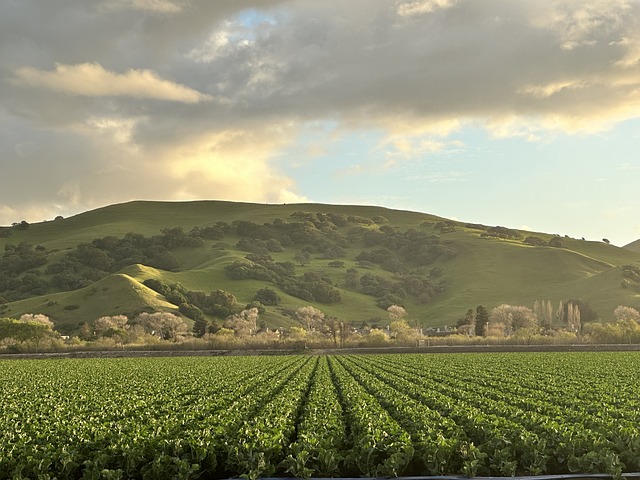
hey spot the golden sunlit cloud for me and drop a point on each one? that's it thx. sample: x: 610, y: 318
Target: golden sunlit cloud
x: 550, y: 89
x: 7, y: 215
x: 530, y: 129
x: 31, y: 212
x: 92, y: 80
x: 233, y: 165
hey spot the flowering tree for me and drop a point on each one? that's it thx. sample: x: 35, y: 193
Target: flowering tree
x: 244, y: 323
x: 396, y: 312
x: 626, y: 313
x: 110, y: 326
x: 310, y: 317
x: 165, y: 325
x: 37, y: 318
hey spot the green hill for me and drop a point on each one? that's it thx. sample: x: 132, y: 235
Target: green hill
x: 634, y: 246
x: 114, y: 295
x: 349, y: 261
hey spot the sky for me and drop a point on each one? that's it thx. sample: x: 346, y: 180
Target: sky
x: 514, y: 113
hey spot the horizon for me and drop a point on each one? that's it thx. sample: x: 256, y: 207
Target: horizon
x: 514, y: 114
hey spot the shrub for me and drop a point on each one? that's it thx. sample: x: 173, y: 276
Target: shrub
x: 267, y: 296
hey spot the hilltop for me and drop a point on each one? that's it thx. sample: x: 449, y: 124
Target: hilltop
x: 349, y: 261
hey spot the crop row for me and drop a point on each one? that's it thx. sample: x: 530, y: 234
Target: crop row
x: 499, y: 439
x: 300, y: 416
x: 131, y: 419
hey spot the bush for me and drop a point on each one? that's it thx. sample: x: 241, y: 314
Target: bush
x: 176, y: 297
x: 210, y: 233
x: 266, y: 296
x: 191, y: 311
x: 157, y: 286
x: 555, y: 242
x: 535, y: 241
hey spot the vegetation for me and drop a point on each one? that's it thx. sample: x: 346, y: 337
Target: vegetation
x: 349, y: 416
x: 189, y: 328
x: 350, y: 262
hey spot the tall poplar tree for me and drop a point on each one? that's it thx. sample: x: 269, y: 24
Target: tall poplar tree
x: 482, y: 320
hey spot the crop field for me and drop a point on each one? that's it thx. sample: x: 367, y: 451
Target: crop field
x: 320, y: 416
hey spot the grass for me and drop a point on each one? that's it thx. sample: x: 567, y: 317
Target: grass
x: 490, y: 272
x: 113, y: 295
x: 634, y: 246
x: 485, y: 271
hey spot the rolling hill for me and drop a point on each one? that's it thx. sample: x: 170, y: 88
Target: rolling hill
x: 348, y: 261
x: 634, y: 246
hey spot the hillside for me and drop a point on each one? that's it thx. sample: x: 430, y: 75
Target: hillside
x: 349, y: 261
x: 634, y: 246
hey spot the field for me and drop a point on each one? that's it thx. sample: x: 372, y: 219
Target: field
x: 321, y: 416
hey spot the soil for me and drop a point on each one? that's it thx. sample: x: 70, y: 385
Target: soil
x: 333, y: 351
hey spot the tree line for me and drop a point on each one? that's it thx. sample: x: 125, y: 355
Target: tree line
x: 244, y: 329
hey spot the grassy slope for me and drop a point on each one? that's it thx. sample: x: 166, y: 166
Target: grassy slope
x: 485, y: 271
x: 113, y: 295
x: 634, y: 246
x: 491, y: 272
x: 149, y: 218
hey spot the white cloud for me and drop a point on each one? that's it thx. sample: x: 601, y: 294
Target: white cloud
x: 412, y: 147
x: 213, y: 48
x: 550, y: 89
x: 119, y: 130
x: 31, y: 212
x: 628, y: 167
x: 439, y: 177
x: 409, y: 8
x: 70, y: 194
x: 579, y: 24
x: 92, y: 80
x: 156, y: 6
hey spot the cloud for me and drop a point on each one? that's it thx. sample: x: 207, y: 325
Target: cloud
x: 628, y: 167
x: 227, y: 165
x: 419, y: 7
x: 156, y: 6
x: 579, y: 24
x: 223, y: 165
x: 550, y: 89
x: 440, y: 177
x: 222, y: 88
x: 92, y: 80
x: 25, y: 149
x: 556, y: 65
x: 413, y: 147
